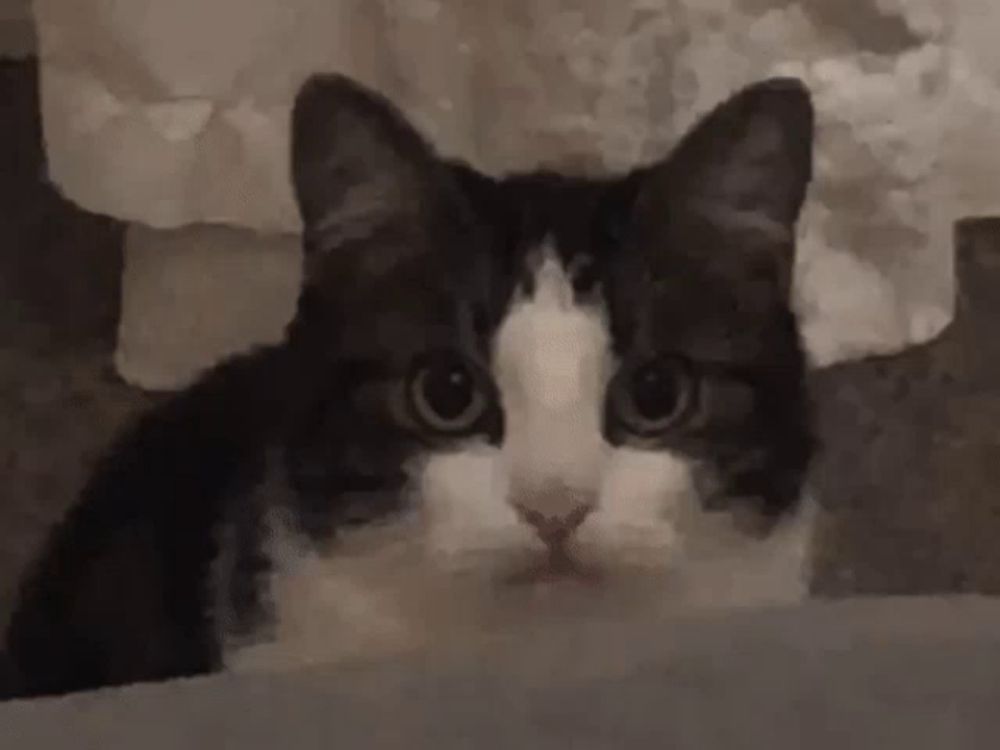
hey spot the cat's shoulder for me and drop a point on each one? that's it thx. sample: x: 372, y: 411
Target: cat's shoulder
x: 122, y: 573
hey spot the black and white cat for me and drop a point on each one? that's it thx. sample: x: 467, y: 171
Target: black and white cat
x: 498, y: 399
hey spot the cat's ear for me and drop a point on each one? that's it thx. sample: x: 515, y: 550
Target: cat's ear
x: 742, y: 171
x: 357, y: 163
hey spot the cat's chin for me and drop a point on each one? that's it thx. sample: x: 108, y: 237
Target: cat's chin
x: 595, y: 562
x: 554, y: 567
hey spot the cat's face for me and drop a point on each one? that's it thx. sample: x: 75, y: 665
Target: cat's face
x: 542, y: 375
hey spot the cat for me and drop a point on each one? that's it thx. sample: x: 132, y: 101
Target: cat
x: 500, y: 398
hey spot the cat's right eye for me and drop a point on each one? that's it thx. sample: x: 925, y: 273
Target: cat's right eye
x: 650, y: 398
x: 447, y: 395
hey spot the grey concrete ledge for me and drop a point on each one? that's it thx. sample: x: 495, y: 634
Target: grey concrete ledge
x: 868, y: 673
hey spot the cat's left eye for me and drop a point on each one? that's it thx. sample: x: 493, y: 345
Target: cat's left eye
x: 652, y: 397
x: 447, y: 395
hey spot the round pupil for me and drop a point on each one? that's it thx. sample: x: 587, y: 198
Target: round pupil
x: 655, y: 393
x: 449, y: 391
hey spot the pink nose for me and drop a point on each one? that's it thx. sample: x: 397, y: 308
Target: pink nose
x: 554, y: 529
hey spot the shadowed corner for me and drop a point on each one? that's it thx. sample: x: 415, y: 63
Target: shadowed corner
x: 8, y: 678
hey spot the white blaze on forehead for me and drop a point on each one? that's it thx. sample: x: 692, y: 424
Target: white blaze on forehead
x: 552, y: 359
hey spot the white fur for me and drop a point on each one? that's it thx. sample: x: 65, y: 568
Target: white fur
x: 445, y: 571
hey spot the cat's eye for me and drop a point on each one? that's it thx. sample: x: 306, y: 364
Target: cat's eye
x: 447, y: 395
x: 652, y: 397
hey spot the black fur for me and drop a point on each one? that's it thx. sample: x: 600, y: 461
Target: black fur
x: 120, y: 593
x: 405, y: 253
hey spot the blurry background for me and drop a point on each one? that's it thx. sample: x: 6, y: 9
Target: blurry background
x: 146, y: 225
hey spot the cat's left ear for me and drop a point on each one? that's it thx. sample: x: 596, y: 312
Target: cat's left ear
x: 742, y: 171
x: 358, y: 166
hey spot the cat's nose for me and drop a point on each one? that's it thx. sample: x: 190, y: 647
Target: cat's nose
x: 554, y: 528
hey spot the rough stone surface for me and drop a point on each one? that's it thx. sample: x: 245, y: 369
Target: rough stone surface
x: 189, y: 125
x: 910, y: 463
x: 918, y: 674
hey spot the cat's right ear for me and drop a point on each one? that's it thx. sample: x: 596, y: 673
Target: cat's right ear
x: 730, y: 194
x: 357, y: 164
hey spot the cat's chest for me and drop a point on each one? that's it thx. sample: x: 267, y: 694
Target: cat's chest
x: 324, y: 609
x: 390, y: 600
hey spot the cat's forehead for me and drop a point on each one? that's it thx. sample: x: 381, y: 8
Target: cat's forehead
x: 569, y: 218
x: 544, y: 219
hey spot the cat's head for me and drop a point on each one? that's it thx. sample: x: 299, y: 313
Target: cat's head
x: 541, y: 364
